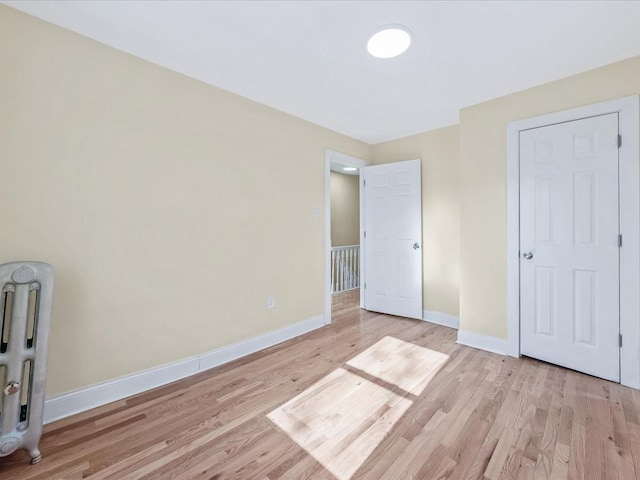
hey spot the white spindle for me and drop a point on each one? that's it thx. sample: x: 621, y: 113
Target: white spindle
x: 345, y: 268
x: 351, y: 269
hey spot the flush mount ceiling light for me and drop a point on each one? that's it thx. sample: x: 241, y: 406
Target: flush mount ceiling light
x: 389, y: 41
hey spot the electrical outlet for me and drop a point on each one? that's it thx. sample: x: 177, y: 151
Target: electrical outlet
x: 271, y: 301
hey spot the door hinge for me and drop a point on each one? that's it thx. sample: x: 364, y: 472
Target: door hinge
x: 619, y: 240
x: 364, y: 183
x: 619, y: 141
x: 620, y: 339
x: 365, y: 234
x: 365, y: 285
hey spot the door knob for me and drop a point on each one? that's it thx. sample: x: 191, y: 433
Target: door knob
x: 416, y: 246
x: 527, y: 255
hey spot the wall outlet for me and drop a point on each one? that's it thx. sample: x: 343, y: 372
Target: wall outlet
x: 271, y: 301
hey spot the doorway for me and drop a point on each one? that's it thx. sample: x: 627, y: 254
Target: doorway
x: 573, y: 220
x: 342, y: 278
x: 390, y: 236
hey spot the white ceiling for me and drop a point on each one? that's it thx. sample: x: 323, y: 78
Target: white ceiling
x: 308, y: 58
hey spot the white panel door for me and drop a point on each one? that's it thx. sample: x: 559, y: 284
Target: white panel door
x: 393, y: 239
x: 569, y: 251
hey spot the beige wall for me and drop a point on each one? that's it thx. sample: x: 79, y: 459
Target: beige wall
x: 438, y: 150
x: 483, y: 282
x: 345, y: 209
x: 169, y: 208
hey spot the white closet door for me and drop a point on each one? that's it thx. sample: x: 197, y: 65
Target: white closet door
x: 569, y: 252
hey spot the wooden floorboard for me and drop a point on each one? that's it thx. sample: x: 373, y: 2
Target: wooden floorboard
x: 370, y: 397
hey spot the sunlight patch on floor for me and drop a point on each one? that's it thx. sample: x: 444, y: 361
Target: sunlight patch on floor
x: 341, y: 419
x: 399, y: 363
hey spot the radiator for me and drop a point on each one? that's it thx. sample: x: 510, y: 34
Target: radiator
x: 25, y: 314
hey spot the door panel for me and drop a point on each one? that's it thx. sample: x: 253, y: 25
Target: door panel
x: 545, y: 314
x: 584, y: 287
x: 393, y: 224
x: 569, y: 224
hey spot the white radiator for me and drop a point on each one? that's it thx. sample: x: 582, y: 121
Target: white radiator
x: 25, y: 314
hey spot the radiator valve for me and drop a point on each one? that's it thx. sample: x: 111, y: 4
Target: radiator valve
x: 11, y: 388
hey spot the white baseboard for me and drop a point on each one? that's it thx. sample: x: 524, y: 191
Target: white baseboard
x: 87, y: 398
x: 251, y: 345
x: 484, y: 342
x: 439, y: 318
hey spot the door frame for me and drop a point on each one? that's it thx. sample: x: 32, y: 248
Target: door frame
x: 348, y: 160
x: 628, y: 110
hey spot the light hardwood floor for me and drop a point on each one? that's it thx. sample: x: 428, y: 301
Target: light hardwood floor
x: 370, y: 397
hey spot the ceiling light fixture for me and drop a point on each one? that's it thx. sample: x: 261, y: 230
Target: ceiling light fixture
x: 389, y: 41
x: 349, y: 169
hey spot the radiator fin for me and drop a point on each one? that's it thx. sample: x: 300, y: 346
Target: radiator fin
x: 25, y: 391
x: 7, y: 310
x: 32, y: 315
x: 3, y: 381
